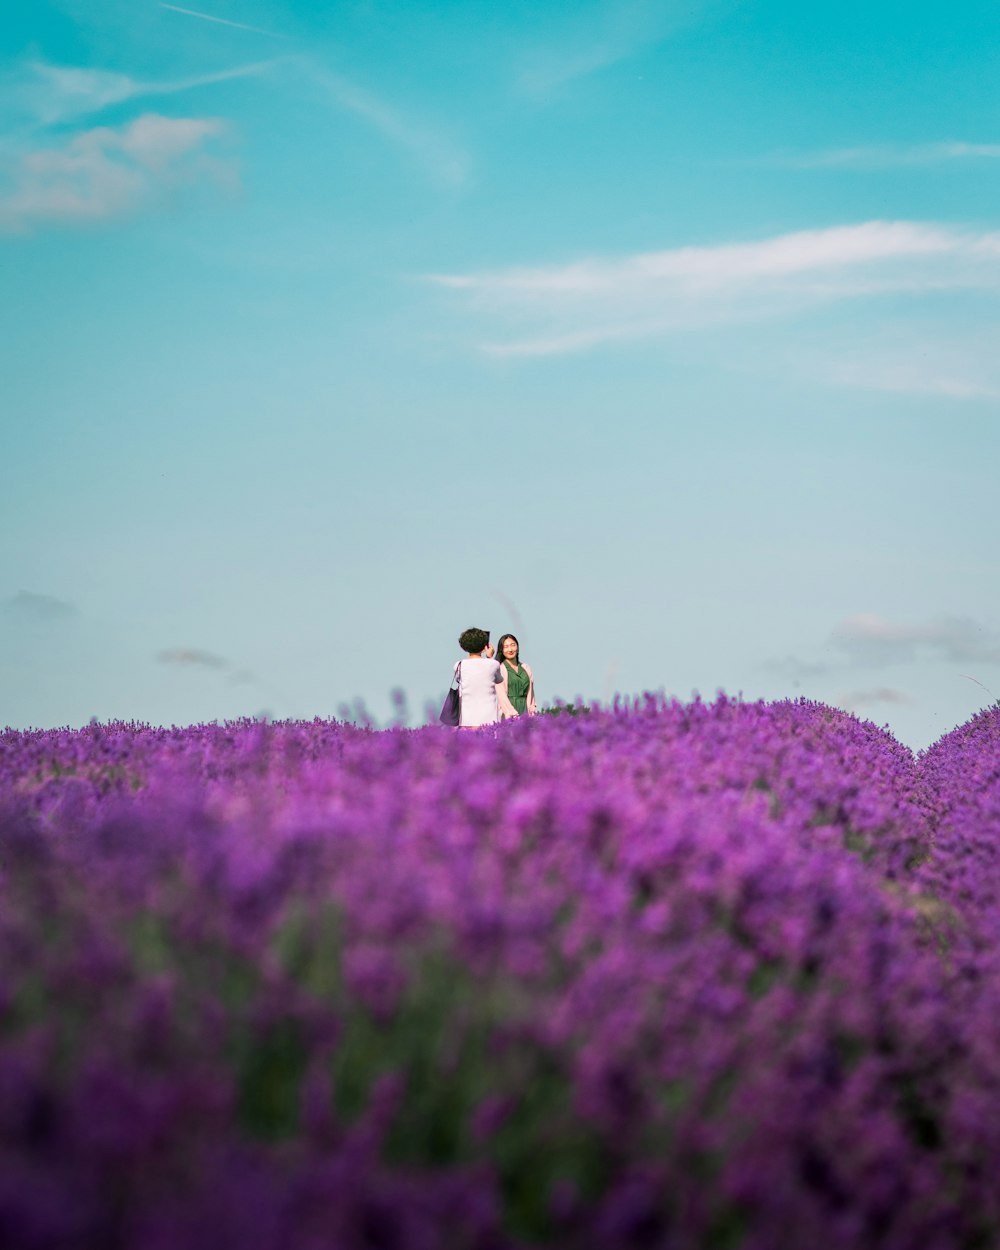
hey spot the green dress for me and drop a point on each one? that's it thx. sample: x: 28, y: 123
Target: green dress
x: 517, y: 687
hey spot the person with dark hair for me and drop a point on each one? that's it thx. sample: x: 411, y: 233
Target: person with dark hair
x: 474, y: 641
x: 518, y: 681
x: 479, y: 680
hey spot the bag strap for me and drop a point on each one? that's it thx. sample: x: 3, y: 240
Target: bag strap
x: 457, y: 674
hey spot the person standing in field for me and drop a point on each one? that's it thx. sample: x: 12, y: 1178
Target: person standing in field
x: 481, y: 695
x: 517, y: 679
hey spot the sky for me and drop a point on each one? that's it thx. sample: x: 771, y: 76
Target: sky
x: 660, y: 333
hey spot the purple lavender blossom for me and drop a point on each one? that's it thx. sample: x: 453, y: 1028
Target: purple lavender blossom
x: 706, y: 976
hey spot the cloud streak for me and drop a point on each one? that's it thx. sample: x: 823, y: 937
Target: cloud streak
x: 555, y: 309
x: 888, y: 156
x: 222, y: 21
x: 108, y: 172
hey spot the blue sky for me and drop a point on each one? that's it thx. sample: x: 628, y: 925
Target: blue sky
x: 664, y: 335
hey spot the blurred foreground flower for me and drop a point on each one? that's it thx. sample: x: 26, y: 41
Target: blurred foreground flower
x: 658, y: 976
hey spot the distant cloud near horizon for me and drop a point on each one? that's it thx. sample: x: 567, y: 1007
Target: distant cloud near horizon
x: 29, y: 606
x: 857, y: 699
x: 869, y: 639
x: 192, y: 656
x: 197, y: 658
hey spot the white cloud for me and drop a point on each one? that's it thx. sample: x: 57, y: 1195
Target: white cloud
x: 696, y: 270
x: 870, y: 639
x: 550, y: 309
x: 888, y: 156
x: 106, y: 172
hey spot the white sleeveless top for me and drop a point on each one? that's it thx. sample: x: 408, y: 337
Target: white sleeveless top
x: 477, y: 690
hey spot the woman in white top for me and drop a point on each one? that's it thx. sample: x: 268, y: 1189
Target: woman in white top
x: 480, y: 693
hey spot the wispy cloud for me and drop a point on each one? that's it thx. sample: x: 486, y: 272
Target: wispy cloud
x: 222, y: 21
x: 108, y: 172
x: 428, y: 145
x: 870, y: 639
x: 916, y: 377
x: 943, y: 350
x: 596, y: 36
x: 947, y: 352
x: 552, y: 309
x: 887, y: 156
x: 45, y: 94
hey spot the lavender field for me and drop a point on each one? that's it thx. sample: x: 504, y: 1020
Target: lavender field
x: 691, y: 976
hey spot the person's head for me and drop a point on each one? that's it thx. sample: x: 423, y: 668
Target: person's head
x: 473, y: 640
x: 508, y: 649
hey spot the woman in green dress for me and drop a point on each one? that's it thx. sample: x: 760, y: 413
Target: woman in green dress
x: 518, y: 679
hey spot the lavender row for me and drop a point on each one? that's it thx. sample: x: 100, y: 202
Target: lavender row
x: 660, y: 975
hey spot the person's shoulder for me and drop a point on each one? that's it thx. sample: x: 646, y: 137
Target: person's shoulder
x: 527, y: 668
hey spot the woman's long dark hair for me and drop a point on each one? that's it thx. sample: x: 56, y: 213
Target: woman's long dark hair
x: 499, y: 651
